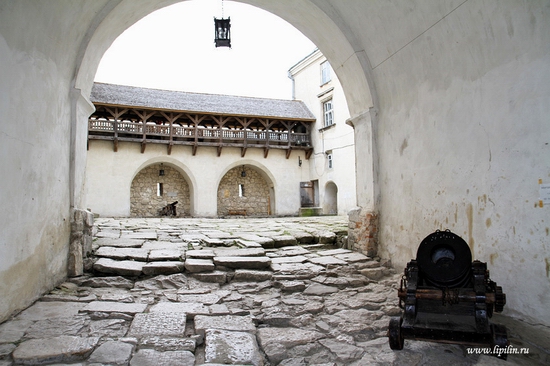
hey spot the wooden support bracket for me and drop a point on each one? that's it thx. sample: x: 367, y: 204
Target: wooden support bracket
x: 288, y: 151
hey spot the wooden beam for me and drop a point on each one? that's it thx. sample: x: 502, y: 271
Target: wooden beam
x: 143, y: 145
x: 308, y: 153
x: 115, y: 144
x: 243, y: 151
x: 170, y: 148
x: 288, y: 151
x: 266, y: 151
x: 219, y: 150
x: 194, y: 149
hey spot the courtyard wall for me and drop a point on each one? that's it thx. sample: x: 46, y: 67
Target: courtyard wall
x: 272, y: 181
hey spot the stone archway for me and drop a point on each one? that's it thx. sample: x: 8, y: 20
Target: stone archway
x: 156, y: 186
x: 330, y: 202
x: 244, y: 191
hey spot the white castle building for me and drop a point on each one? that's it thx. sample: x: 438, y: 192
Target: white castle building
x: 332, y: 164
x: 216, y: 155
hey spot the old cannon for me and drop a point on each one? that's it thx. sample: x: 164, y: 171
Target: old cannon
x: 447, y: 298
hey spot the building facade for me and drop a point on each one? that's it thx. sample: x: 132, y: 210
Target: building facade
x: 332, y: 164
x: 215, y: 155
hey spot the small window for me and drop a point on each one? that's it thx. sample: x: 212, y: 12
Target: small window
x: 241, y: 190
x: 328, y: 113
x: 159, y: 190
x: 325, y: 72
x: 330, y: 160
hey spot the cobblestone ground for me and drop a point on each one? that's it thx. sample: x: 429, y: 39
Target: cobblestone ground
x: 230, y: 292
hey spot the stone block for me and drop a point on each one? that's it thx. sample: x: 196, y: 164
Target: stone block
x: 145, y: 235
x: 112, y: 353
x: 114, y: 307
x: 243, y: 262
x: 190, y: 309
x: 123, y: 268
x: 166, y: 255
x: 252, y: 275
x: 353, y: 257
x: 150, y: 357
x: 373, y: 273
x: 231, y: 348
x: 168, y: 343
x: 137, y: 254
x: 224, y: 322
x: 200, y: 254
x: 111, y: 281
x: 276, y: 341
x: 194, y: 265
x: 49, y: 310
x: 211, y: 277
x: 284, y: 241
x: 118, y: 243
x: 246, y: 252
x: 327, y: 260
x: 292, y: 259
x: 158, y: 324
x: 51, y: 350
x: 334, y: 252
x: 157, y: 268
x: 318, y: 289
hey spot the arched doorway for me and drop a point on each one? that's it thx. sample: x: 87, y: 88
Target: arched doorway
x: 157, y: 186
x: 244, y: 191
x: 330, y: 204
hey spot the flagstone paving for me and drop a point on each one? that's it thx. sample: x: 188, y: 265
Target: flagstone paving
x: 278, y: 291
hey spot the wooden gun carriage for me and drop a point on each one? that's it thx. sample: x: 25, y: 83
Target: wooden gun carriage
x: 448, y: 298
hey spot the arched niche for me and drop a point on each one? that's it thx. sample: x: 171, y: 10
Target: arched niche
x: 330, y: 202
x: 155, y: 187
x: 245, y: 191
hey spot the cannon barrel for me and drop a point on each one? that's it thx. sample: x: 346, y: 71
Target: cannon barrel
x: 444, y: 260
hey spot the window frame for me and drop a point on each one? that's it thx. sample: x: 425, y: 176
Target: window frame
x: 326, y: 75
x: 328, y: 115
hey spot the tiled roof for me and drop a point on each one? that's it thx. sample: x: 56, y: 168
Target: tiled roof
x: 131, y: 96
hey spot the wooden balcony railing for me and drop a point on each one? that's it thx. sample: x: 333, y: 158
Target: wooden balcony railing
x: 172, y: 134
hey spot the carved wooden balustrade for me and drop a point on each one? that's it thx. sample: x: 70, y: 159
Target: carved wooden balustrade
x: 171, y: 128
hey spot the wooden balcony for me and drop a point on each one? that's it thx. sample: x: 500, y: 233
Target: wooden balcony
x: 195, y: 130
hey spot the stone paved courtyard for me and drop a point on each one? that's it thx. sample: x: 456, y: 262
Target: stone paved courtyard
x: 278, y: 291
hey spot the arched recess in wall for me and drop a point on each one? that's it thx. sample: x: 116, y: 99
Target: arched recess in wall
x: 159, y: 182
x: 159, y: 190
x: 330, y: 202
x: 245, y: 190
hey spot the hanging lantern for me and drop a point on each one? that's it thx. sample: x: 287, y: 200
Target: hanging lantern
x: 222, y: 32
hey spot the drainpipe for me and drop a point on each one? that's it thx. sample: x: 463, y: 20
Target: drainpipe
x: 293, y: 85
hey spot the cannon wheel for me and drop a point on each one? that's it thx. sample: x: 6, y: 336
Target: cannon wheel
x: 394, y: 334
x: 500, y: 338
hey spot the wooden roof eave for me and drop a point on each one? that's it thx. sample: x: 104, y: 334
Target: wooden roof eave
x: 307, y: 120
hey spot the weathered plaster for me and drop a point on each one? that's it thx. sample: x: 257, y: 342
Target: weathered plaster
x: 459, y: 90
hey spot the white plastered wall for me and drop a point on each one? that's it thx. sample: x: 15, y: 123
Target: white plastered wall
x: 478, y: 69
x: 338, y: 139
x: 110, y: 175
